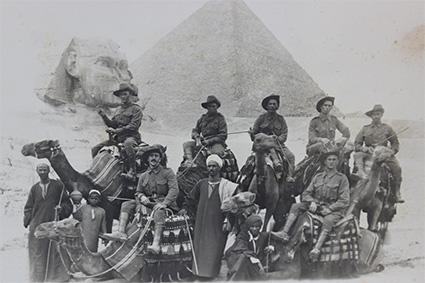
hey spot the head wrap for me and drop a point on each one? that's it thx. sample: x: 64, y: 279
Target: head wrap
x: 94, y: 192
x: 216, y: 159
x: 253, y: 219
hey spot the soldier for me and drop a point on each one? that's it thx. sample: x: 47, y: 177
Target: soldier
x: 377, y: 133
x: 210, y: 131
x: 322, y: 128
x: 328, y: 195
x: 271, y: 123
x: 124, y: 126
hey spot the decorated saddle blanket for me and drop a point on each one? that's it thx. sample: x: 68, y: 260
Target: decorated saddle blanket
x: 342, y: 242
x: 129, y: 257
x: 105, y: 174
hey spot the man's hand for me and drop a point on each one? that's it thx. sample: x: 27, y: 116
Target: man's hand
x: 325, y: 211
x: 206, y: 142
x: 367, y: 149
x: 313, y: 207
x: 100, y: 111
x: 160, y: 205
x: 269, y: 249
x: 111, y: 131
x: 182, y: 212
x: 198, y: 142
x: 144, y: 200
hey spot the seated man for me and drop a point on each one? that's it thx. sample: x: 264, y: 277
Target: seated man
x: 327, y: 195
x: 124, y: 126
x: 247, y: 256
x: 322, y: 129
x: 377, y: 133
x: 271, y: 123
x: 157, y: 189
x: 210, y: 131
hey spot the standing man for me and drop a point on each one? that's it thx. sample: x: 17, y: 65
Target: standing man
x: 92, y: 218
x: 321, y: 132
x: 378, y: 133
x: 210, y: 233
x: 47, y: 201
x: 124, y: 126
x: 327, y: 195
x: 210, y: 131
x: 157, y: 189
x: 273, y: 124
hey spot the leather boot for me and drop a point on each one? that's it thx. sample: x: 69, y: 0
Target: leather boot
x: 360, y: 167
x: 188, y: 158
x: 131, y: 165
x: 119, y: 235
x: 284, y: 234
x: 155, y: 248
x: 315, y: 252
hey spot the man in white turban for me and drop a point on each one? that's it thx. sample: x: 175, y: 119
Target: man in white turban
x: 210, y: 225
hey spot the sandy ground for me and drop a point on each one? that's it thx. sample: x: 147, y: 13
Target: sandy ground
x: 79, y: 129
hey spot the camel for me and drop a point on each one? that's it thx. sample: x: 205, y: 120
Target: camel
x: 113, y: 192
x: 294, y: 262
x: 271, y: 193
x: 68, y: 233
x: 367, y: 194
x: 129, y: 260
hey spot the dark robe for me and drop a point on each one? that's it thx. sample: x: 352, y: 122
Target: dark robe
x: 238, y: 257
x: 92, y: 226
x: 39, y: 210
x: 209, y: 239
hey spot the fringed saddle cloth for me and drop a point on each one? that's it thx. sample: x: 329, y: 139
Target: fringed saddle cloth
x: 342, y: 242
x: 105, y: 174
x: 176, y: 250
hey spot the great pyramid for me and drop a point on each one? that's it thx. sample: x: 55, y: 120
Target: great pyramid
x: 223, y: 49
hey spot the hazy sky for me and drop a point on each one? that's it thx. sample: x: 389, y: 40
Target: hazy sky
x: 361, y: 52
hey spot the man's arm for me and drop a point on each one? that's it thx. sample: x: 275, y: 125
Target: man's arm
x: 395, y: 145
x: 344, y: 196
x: 284, y: 135
x: 307, y: 195
x: 358, y: 142
x: 66, y: 205
x: 103, y: 225
x: 29, y: 207
x: 312, y: 136
x: 345, y: 131
x: 108, y: 122
x: 173, y: 187
x: 222, y: 132
x: 196, y: 132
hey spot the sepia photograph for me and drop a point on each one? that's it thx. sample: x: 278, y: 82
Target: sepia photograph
x: 212, y: 140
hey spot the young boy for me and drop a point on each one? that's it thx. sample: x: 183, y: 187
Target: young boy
x: 92, y: 218
x: 247, y: 256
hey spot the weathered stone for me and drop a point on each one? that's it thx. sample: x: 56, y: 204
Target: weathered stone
x: 88, y: 72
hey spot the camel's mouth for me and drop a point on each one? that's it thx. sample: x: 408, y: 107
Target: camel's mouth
x: 41, y: 149
x: 45, y: 231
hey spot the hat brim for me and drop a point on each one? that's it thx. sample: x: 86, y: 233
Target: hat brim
x: 326, y: 154
x: 205, y: 104
x: 117, y: 92
x: 369, y: 113
x: 146, y: 154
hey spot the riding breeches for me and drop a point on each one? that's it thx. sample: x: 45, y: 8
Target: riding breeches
x: 130, y: 207
x: 216, y: 148
x: 328, y: 221
x: 130, y: 143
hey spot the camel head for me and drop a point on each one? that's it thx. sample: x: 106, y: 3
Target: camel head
x: 41, y: 149
x: 263, y: 142
x: 66, y: 228
x: 237, y: 203
x: 46, y: 231
x: 381, y: 153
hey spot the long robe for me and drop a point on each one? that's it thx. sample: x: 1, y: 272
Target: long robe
x: 209, y: 239
x: 39, y: 210
x: 92, y: 226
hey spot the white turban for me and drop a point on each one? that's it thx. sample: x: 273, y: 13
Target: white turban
x: 94, y: 192
x: 215, y: 158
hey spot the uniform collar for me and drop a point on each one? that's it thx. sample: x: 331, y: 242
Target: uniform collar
x: 324, y: 117
x: 156, y: 170
x: 376, y: 124
x: 330, y: 174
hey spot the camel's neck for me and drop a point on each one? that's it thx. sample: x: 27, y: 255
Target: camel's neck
x: 68, y: 175
x: 364, y: 191
x: 89, y: 263
x: 260, y: 162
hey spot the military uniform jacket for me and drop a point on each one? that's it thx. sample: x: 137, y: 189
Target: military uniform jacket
x: 213, y: 128
x: 129, y: 118
x: 271, y: 124
x: 159, y: 184
x: 375, y: 134
x: 324, y: 126
x: 329, y: 190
